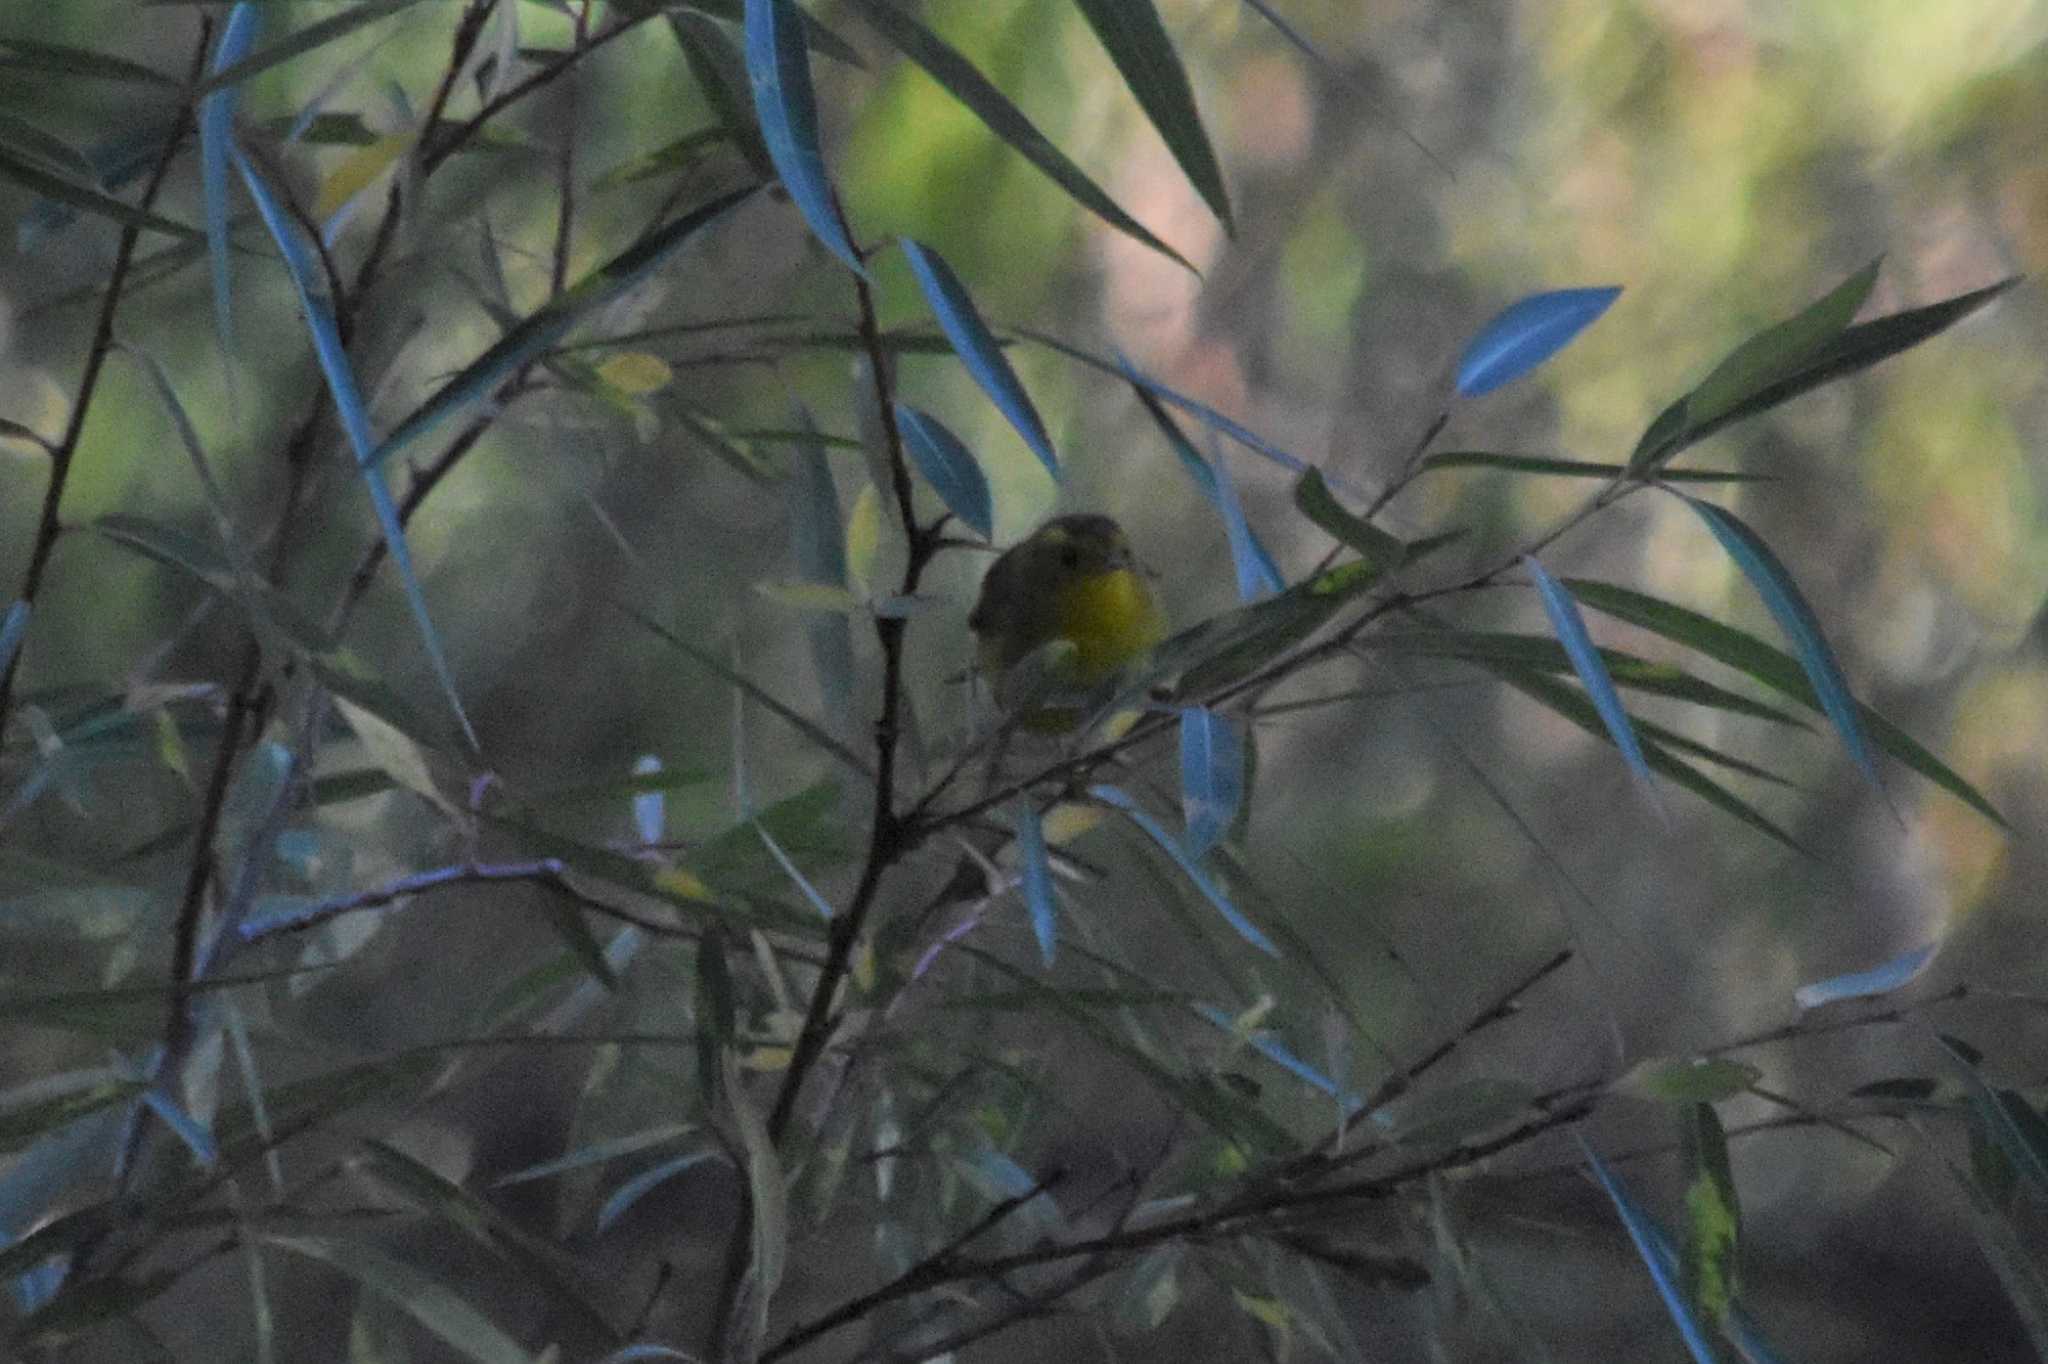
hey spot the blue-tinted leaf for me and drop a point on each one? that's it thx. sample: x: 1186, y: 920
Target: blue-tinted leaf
x: 976, y: 346
x: 1570, y: 628
x: 1001, y: 117
x: 1136, y: 41
x: 1256, y: 576
x: 821, y: 558
x: 597, y: 1153
x: 1897, y: 973
x: 1775, y: 669
x: 650, y: 808
x: 13, y: 625
x: 1248, y: 554
x: 1798, y: 622
x: 948, y: 466
x: 644, y: 1183
x: 1211, y: 777
x: 355, y: 418
x: 1525, y: 334
x: 794, y: 872
x: 187, y: 1129
x: 1648, y: 1238
x: 1123, y: 369
x: 547, y: 324
x: 1035, y: 869
x: 216, y: 129
x: 1278, y: 1053
x: 1168, y: 844
x: 779, y: 69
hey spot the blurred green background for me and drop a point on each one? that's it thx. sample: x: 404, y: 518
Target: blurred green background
x: 1724, y: 161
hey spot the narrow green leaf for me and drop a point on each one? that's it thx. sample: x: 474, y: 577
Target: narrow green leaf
x: 57, y: 59
x: 1576, y: 708
x: 1313, y: 497
x: 313, y: 35
x: 1536, y: 651
x: 1136, y: 40
x: 216, y: 134
x: 542, y: 328
x: 53, y: 151
x: 420, y: 1296
x: 958, y: 77
x: 1854, y: 349
x: 767, y: 1199
x: 355, y: 419
x: 1574, y: 468
x: 2018, y: 1130
x: 1771, y: 355
x: 27, y: 173
x: 1772, y: 667
x: 715, y: 64
x: 819, y: 546
x: 2012, y: 1260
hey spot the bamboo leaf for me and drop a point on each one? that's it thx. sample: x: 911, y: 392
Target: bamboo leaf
x: 355, y: 418
x: 949, y: 467
x: 977, y: 348
x: 1781, y: 595
x: 779, y: 69
x: 1211, y: 777
x: 1525, y: 334
x: 1578, y: 646
x: 539, y: 331
x: 1200, y: 879
x: 1772, y: 667
x: 958, y: 77
x: 1136, y: 40
x: 1035, y: 870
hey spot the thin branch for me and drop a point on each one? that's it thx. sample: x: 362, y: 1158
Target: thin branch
x: 463, y: 133
x: 550, y: 872
x: 49, y: 523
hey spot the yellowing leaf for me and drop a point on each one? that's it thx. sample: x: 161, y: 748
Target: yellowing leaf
x: 1270, y: 1311
x: 1065, y: 823
x: 767, y: 1059
x: 810, y: 596
x: 358, y: 171
x: 687, y: 884
x: 636, y: 373
x: 864, y: 966
x: 863, y: 541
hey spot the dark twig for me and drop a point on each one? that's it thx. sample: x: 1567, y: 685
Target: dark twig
x: 49, y: 523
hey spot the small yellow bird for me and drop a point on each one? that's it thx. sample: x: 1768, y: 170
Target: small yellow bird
x: 1074, y: 579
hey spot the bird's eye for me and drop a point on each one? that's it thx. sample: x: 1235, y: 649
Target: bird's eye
x: 1070, y: 557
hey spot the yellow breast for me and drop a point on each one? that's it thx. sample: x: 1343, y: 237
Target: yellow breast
x: 1111, y: 619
